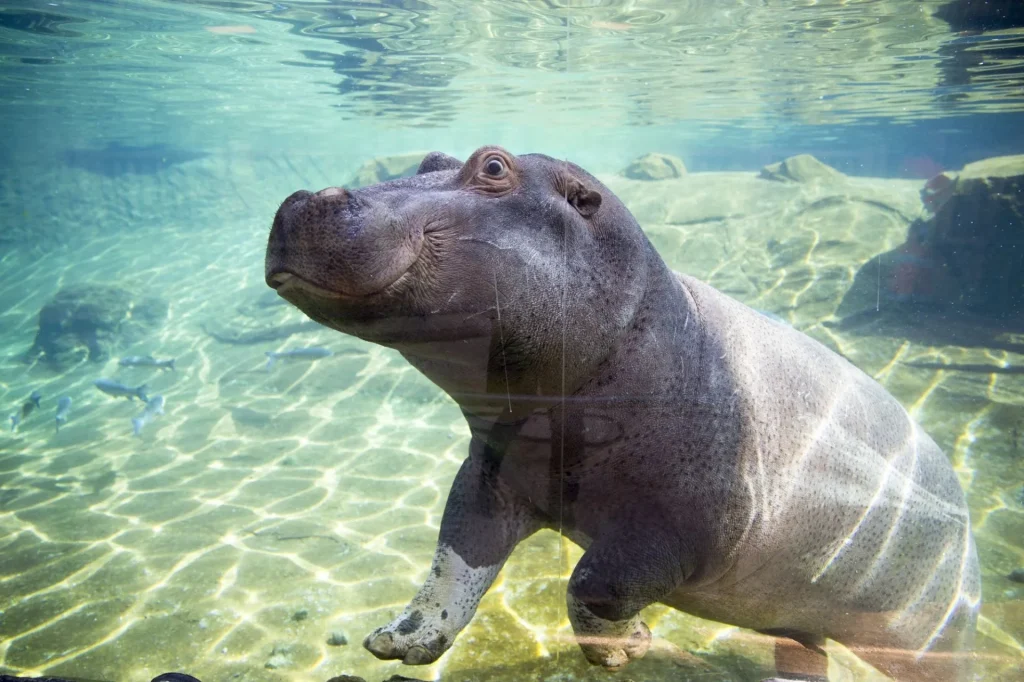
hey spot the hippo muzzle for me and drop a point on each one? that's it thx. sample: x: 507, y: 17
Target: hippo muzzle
x: 334, y: 244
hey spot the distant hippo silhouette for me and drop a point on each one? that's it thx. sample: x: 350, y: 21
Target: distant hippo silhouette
x: 705, y: 456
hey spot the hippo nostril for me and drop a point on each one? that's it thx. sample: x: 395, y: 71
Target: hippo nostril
x: 331, y: 191
x: 280, y: 279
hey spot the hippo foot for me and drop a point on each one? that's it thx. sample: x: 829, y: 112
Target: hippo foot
x: 614, y: 652
x: 400, y: 640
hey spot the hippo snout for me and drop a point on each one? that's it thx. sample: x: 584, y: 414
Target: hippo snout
x: 331, y: 243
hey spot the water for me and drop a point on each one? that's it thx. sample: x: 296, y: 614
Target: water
x: 147, y: 147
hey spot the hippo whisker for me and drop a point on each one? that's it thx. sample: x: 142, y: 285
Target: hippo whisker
x: 501, y: 332
x: 485, y: 242
x: 479, y: 312
x: 446, y: 303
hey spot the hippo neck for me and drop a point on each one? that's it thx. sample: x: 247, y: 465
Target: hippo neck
x: 645, y: 360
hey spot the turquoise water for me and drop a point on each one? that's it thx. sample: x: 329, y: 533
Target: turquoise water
x: 266, y: 512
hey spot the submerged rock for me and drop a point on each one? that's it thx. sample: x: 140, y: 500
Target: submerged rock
x: 979, y: 232
x: 94, y: 320
x: 801, y: 168
x: 655, y: 167
x: 280, y: 657
x: 964, y: 256
x: 337, y: 638
x: 386, y: 168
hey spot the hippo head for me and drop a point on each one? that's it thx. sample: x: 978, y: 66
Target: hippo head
x: 504, y: 275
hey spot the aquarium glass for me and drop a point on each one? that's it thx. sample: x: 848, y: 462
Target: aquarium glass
x: 204, y: 475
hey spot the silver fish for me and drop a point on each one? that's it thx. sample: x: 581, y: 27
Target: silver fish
x: 63, y: 408
x: 154, y: 406
x: 118, y: 390
x: 312, y: 353
x: 146, y: 361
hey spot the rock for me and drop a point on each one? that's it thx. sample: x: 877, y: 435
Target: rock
x: 300, y: 615
x: 962, y: 260
x: 403, y: 678
x: 979, y: 230
x: 280, y: 657
x: 1017, y: 575
x: 94, y: 320
x: 346, y: 678
x: 386, y: 168
x: 655, y: 167
x: 801, y: 168
x: 337, y: 638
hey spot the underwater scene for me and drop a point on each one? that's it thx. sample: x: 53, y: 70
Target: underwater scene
x: 344, y: 340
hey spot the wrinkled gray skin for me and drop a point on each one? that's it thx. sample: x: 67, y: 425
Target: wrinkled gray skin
x: 705, y: 456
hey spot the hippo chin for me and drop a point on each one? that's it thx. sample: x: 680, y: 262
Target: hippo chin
x: 705, y: 456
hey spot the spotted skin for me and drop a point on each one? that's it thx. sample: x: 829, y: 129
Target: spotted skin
x: 703, y: 455
x: 471, y: 527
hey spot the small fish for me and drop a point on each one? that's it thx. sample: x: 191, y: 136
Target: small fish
x: 111, y: 387
x: 63, y: 407
x: 313, y: 353
x: 154, y: 407
x: 15, y: 420
x: 146, y: 361
x: 30, y: 404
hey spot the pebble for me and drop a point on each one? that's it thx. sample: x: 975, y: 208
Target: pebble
x: 300, y: 615
x: 279, y: 657
x: 337, y: 638
x: 1017, y: 575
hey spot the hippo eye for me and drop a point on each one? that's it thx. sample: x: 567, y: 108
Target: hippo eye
x: 495, y: 167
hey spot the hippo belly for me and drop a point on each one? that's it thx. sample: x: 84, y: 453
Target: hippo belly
x: 858, y: 528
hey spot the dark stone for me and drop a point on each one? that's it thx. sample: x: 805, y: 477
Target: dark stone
x: 346, y: 678
x: 94, y: 320
x: 982, y: 15
x: 963, y: 259
x: 337, y: 638
x: 1017, y: 575
x: 979, y: 233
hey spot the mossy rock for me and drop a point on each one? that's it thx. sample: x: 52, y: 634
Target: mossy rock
x: 801, y: 168
x: 655, y: 167
x: 979, y: 232
x: 387, y: 168
x: 94, y: 321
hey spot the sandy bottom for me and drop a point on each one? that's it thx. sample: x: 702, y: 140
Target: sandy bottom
x: 267, y: 510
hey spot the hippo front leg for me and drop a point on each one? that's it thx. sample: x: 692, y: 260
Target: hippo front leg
x: 617, y: 577
x: 483, y: 521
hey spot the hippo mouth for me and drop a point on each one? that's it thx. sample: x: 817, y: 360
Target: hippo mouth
x: 284, y: 282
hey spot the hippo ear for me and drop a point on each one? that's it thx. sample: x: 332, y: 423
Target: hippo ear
x: 585, y: 200
x: 436, y: 161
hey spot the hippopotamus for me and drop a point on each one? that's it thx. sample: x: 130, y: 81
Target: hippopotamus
x: 704, y: 456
